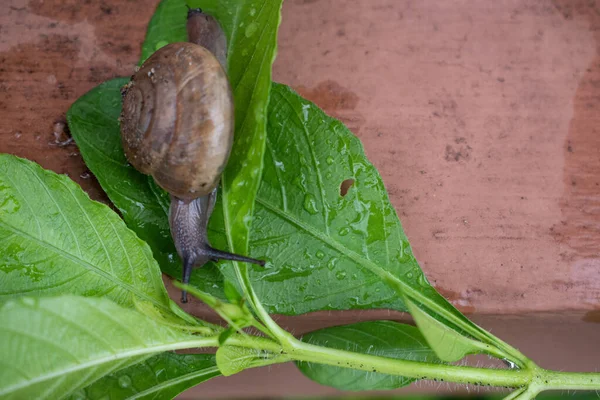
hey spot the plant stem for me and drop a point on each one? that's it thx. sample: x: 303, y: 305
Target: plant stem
x: 554, y: 380
x: 411, y: 369
x: 535, y: 378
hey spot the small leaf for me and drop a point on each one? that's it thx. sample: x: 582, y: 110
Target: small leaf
x: 56, y: 240
x: 233, y: 359
x: 448, y: 344
x: 162, y: 376
x: 238, y: 316
x: 72, y: 341
x: 381, y: 338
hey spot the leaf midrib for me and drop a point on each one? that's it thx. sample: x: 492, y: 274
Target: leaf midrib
x: 148, y: 350
x: 82, y: 262
x: 386, y: 276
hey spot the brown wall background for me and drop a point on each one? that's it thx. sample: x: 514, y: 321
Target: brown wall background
x: 482, y: 116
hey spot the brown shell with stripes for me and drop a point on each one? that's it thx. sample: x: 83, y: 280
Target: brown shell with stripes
x: 185, y: 147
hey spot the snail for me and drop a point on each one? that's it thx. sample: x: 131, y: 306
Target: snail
x: 177, y: 125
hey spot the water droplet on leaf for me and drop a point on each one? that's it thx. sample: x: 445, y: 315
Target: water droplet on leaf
x: 124, y: 381
x: 331, y: 263
x: 340, y: 275
x: 251, y: 29
x: 310, y: 204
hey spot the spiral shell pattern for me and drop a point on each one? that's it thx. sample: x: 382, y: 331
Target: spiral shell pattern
x: 177, y: 121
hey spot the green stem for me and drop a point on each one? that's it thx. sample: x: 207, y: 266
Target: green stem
x: 534, y: 378
x: 554, y: 380
x: 275, y: 330
x: 411, y: 369
x: 537, y: 379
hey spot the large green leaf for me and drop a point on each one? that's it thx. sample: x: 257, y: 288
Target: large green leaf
x: 159, y: 377
x: 53, y: 346
x: 327, y: 250
x: 55, y: 240
x: 251, y: 28
x: 381, y: 338
x: 334, y: 250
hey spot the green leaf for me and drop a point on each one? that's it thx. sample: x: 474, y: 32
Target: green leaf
x: 251, y: 28
x: 448, y: 344
x: 381, y: 338
x: 93, y: 120
x: 53, y: 346
x: 330, y: 250
x: 327, y: 251
x: 56, y: 240
x: 163, y: 376
x: 234, y: 359
x: 168, y: 25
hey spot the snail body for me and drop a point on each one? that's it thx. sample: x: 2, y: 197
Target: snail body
x: 177, y: 125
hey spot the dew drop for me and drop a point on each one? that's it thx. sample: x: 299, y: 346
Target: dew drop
x: 280, y: 165
x: 331, y: 263
x: 320, y: 255
x: 124, y: 381
x: 422, y: 279
x: 344, y: 231
x: 251, y: 29
x: 310, y: 204
x: 329, y: 160
x: 340, y: 275
x: 409, y: 275
x: 252, y: 12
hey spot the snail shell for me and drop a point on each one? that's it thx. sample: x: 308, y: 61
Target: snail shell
x: 177, y: 121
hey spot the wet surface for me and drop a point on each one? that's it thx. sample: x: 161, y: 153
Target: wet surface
x: 481, y: 119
